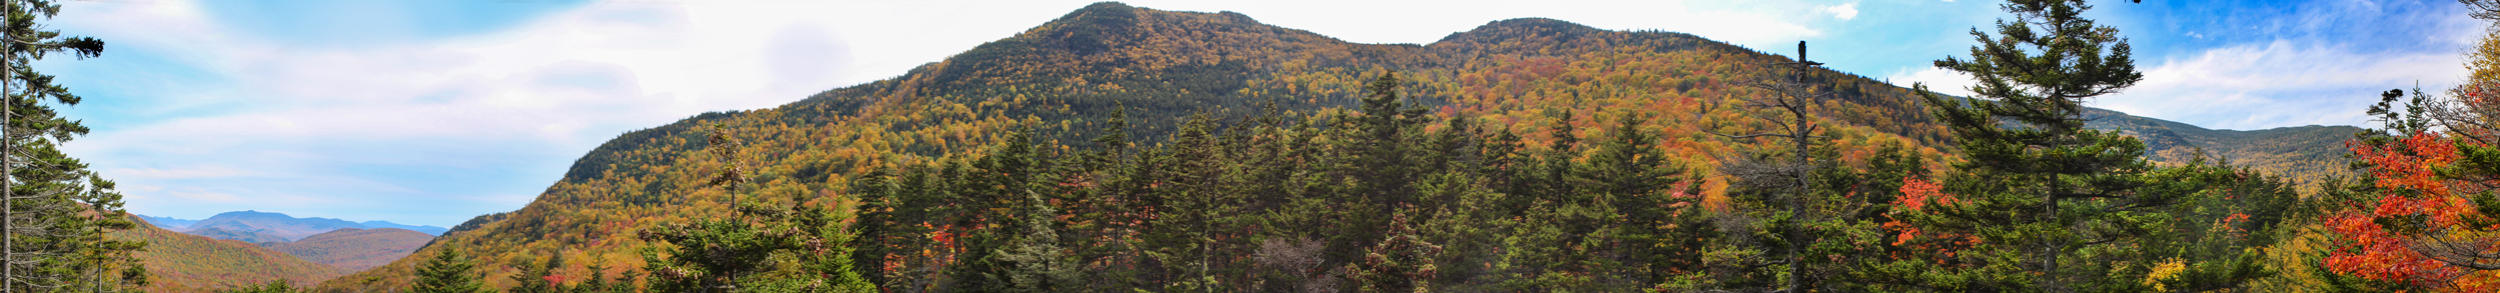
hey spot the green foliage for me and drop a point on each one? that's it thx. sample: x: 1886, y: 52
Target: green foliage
x: 447, y: 272
x: 761, y: 247
x: 2043, y: 203
x: 274, y: 286
x: 58, y: 211
x: 1240, y: 157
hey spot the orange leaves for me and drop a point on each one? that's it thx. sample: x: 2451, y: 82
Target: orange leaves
x: 1902, y: 232
x: 2376, y: 254
x: 2406, y: 173
x: 2408, y: 163
x: 1916, y: 194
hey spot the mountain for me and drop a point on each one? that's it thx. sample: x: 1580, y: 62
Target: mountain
x: 169, y: 223
x: 266, y: 227
x: 2304, y: 154
x: 1062, y: 78
x: 270, y: 224
x: 356, y: 249
x: 428, y: 230
x: 251, y: 236
x: 180, y: 262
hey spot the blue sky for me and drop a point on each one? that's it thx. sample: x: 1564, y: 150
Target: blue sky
x: 430, y: 112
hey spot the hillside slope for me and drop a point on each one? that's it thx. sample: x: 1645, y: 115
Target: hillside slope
x: 2304, y: 154
x: 354, y: 250
x: 1063, y: 77
x: 190, y: 263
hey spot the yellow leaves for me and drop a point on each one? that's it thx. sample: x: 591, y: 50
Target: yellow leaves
x: 2164, y: 272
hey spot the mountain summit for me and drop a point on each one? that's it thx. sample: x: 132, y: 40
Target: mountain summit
x: 1063, y: 80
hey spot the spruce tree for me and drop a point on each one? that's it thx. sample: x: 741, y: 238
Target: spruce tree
x: 2052, y: 206
x: 1401, y: 262
x: 878, y: 226
x: 54, y: 212
x: 738, y: 253
x: 447, y: 272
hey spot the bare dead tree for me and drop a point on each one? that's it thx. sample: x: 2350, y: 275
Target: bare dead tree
x: 1789, y: 112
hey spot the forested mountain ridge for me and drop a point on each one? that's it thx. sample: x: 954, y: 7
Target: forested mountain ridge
x: 268, y: 227
x: 356, y: 249
x: 2303, y: 153
x: 168, y: 223
x: 178, y: 262
x: 1064, y: 77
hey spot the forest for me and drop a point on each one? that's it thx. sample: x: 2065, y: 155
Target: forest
x: 1123, y: 149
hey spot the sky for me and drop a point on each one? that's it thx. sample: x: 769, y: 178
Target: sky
x: 430, y: 112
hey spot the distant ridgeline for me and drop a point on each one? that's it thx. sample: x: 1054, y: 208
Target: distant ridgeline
x: 1064, y: 78
x: 266, y: 227
x: 251, y: 247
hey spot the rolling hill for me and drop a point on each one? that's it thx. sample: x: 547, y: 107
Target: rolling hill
x: 190, y: 263
x: 254, y: 236
x: 169, y: 223
x: 267, y: 227
x: 1062, y: 77
x: 353, y: 249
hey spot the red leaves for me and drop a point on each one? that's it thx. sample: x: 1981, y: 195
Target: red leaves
x: 2406, y: 173
x: 1916, y: 196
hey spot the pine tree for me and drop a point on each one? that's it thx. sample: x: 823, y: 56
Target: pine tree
x: 1467, y: 225
x: 2051, y: 204
x: 535, y: 278
x: 878, y: 228
x: 1654, y: 226
x: 273, y: 286
x: 447, y: 272
x: 1402, y: 262
x: 1381, y: 167
x: 55, y: 212
x: 737, y: 253
x: 1036, y: 260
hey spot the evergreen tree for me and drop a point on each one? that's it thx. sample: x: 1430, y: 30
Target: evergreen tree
x: 273, y: 286
x: 1654, y: 227
x: 1036, y: 260
x: 447, y: 272
x: 878, y: 228
x: 1403, y: 262
x: 1380, y: 168
x: 535, y: 278
x: 54, y: 212
x: 2049, y: 204
x: 738, y: 253
x: 1468, y: 227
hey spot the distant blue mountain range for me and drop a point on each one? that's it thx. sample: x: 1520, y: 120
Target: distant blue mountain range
x: 268, y: 227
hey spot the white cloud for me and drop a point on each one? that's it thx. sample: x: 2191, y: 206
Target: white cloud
x: 2253, y: 86
x: 551, y: 88
x: 2280, y: 83
x: 1845, y: 11
x: 1937, y: 79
